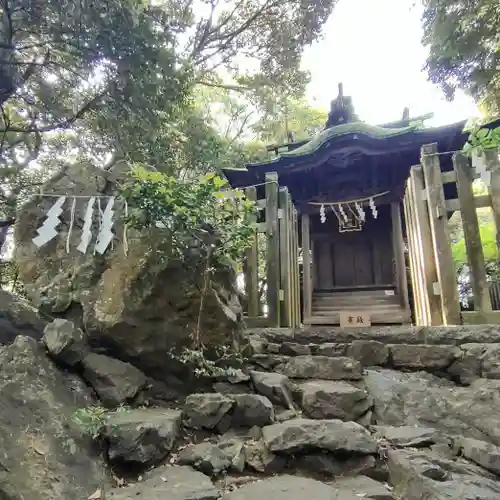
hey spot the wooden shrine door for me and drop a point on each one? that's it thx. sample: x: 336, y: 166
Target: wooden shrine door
x: 353, y: 260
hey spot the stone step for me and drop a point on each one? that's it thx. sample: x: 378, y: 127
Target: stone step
x: 401, y: 334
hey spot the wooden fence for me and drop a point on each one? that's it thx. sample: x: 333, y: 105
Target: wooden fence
x: 279, y: 223
x: 433, y: 275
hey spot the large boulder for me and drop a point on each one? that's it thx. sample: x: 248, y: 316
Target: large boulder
x: 142, y: 436
x: 138, y: 303
x: 288, y: 488
x: 416, y: 475
x: 18, y: 317
x: 424, y: 400
x: 174, y: 483
x: 42, y: 455
x: 323, y: 367
x: 303, y: 435
x: 323, y: 399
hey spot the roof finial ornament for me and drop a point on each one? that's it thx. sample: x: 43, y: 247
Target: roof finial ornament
x: 341, y: 110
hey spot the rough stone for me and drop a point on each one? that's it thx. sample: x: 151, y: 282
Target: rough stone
x: 42, y: 452
x: 114, y: 381
x: 228, y: 388
x: 484, y: 454
x: 323, y: 399
x: 418, y: 476
x: 363, y: 487
x: 323, y: 465
x: 294, y: 349
x: 368, y: 352
x: 269, y: 361
x: 301, y: 435
x: 331, y: 349
x: 478, y: 360
x: 137, y: 304
x: 284, y: 415
x: 407, y: 436
x: 206, y: 411
x: 423, y: 357
x: 252, y: 409
x: 323, y: 367
x: 256, y: 345
x: 174, y: 483
x: 238, y: 377
x: 18, y: 317
x: 286, y: 488
x: 424, y: 400
x: 467, y: 368
x: 235, y: 450
x: 405, y: 334
x: 206, y: 457
x: 142, y: 436
x: 273, y: 348
x: 260, y: 459
x: 490, y: 362
x: 65, y: 342
x: 276, y: 387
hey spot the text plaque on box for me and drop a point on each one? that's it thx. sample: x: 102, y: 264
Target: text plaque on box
x: 350, y: 319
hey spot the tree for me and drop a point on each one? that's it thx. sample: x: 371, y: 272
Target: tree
x: 290, y: 119
x: 110, y: 80
x: 463, y: 37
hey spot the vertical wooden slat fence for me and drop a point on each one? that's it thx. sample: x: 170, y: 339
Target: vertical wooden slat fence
x: 282, y: 294
x: 433, y: 275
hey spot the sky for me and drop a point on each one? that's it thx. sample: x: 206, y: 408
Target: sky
x: 374, y: 48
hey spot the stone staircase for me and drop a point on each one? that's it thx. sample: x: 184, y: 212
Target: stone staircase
x: 381, y: 413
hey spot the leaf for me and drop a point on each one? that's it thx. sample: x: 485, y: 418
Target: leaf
x: 97, y: 495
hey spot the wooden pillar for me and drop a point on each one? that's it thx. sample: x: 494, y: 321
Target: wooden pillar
x: 493, y: 165
x: 416, y: 278
x: 252, y: 265
x: 424, y: 240
x: 306, y: 263
x: 472, y: 236
x: 285, y: 258
x: 441, y: 239
x: 273, y: 249
x: 399, y: 255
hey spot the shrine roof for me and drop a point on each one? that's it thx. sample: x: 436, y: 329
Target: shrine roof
x: 350, y: 139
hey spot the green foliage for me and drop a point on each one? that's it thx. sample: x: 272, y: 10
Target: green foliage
x: 481, y: 138
x: 90, y: 420
x: 193, y: 209
x: 464, y: 48
x: 488, y: 239
x: 203, y: 366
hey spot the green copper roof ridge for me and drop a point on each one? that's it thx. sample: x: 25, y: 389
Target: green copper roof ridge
x: 373, y: 131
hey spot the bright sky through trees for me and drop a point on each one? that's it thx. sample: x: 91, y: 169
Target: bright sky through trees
x: 374, y: 48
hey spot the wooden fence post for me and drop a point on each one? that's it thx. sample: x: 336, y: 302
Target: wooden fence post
x: 424, y: 241
x: 306, y: 268
x: 252, y: 265
x: 285, y: 259
x: 493, y: 165
x: 439, y: 225
x: 472, y: 236
x: 273, y: 249
x: 416, y: 278
x: 399, y: 255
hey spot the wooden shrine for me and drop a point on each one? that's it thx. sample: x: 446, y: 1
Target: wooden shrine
x: 342, y: 193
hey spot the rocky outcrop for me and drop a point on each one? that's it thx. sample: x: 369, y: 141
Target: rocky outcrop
x: 141, y: 436
x: 135, y: 304
x: 174, y: 483
x: 42, y: 455
x: 19, y: 317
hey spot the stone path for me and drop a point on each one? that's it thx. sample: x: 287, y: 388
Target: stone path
x: 382, y: 414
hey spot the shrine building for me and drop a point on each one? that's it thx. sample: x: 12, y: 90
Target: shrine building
x: 347, y: 186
